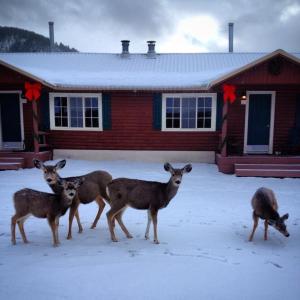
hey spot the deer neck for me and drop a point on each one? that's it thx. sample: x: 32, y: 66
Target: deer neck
x: 171, y: 190
x: 55, y: 187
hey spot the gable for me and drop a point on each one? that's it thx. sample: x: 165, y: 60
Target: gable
x: 276, y: 70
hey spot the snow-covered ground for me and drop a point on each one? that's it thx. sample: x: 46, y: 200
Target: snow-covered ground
x: 203, y: 254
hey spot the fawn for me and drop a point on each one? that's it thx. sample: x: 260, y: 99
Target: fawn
x: 92, y: 189
x: 43, y: 205
x: 142, y: 194
x: 265, y: 206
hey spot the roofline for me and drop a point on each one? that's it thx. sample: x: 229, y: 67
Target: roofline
x: 252, y: 64
x: 42, y: 81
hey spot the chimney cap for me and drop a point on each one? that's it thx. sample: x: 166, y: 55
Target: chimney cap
x: 125, y: 48
x: 151, y: 49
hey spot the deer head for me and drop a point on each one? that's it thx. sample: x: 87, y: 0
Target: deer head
x: 50, y: 172
x: 176, y: 174
x: 279, y: 224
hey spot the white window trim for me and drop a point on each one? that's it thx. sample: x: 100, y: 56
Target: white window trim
x: 68, y: 95
x: 180, y: 95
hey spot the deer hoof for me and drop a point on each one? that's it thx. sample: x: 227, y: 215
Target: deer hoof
x: 156, y: 242
x: 13, y: 242
x: 147, y: 237
x: 92, y: 227
x: 80, y: 230
x: 129, y: 236
x: 69, y: 237
x: 55, y: 245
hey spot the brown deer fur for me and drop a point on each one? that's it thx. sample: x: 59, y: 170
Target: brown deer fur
x: 42, y: 205
x: 265, y: 206
x: 141, y: 194
x: 92, y: 189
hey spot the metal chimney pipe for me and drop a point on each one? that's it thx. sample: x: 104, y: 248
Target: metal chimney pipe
x: 51, y: 36
x: 151, y: 49
x: 125, y: 48
x: 230, y: 36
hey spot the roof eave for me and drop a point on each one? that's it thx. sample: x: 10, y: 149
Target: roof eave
x: 252, y: 64
x: 29, y: 75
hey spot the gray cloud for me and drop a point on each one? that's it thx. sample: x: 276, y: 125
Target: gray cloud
x: 100, y: 25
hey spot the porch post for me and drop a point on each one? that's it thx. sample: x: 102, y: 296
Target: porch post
x: 224, y: 130
x: 35, y: 127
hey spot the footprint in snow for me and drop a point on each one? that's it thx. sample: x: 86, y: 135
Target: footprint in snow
x: 274, y: 264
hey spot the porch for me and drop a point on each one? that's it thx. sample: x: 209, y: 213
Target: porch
x: 259, y: 165
x: 14, y: 160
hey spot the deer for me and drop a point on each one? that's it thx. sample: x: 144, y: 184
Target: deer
x: 145, y: 195
x: 265, y: 207
x: 43, y: 205
x: 92, y: 189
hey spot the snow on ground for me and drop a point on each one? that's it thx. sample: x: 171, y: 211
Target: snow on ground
x: 204, y: 252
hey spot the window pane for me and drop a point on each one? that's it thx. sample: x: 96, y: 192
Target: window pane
x: 95, y: 122
x: 58, y: 121
x: 88, y: 122
x: 208, y: 102
x: 88, y: 112
x: 188, y: 112
x: 64, y: 122
x: 95, y: 112
x: 207, y: 123
x: 88, y: 102
x: 57, y: 101
x: 95, y: 102
x: 76, y: 111
x: 169, y: 102
x: 176, y: 102
x: 64, y: 101
x: 200, y: 123
x: 169, y: 123
x: 200, y: 102
x: 176, y: 123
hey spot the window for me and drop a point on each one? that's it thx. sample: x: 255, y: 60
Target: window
x: 75, y: 111
x: 189, y: 112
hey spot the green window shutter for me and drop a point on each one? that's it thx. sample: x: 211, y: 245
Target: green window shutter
x: 157, y: 111
x: 44, y: 111
x: 106, y: 111
x: 219, y: 111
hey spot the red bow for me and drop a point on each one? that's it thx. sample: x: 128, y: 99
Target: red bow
x: 229, y: 93
x: 32, y: 91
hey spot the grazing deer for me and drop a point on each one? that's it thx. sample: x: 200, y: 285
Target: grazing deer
x: 93, y: 188
x: 43, y: 205
x: 141, y: 194
x: 265, y: 207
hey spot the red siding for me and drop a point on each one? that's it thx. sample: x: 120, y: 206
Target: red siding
x: 285, y: 107
x: 290, y: 74
x: 132, y: 130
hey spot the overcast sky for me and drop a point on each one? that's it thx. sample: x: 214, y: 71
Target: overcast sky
x: 176, y: 25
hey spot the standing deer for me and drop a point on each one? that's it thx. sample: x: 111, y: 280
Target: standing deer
x: 142, y: 194
x: 43, y: 205
x: 265, y: 206
x: 93, y: 188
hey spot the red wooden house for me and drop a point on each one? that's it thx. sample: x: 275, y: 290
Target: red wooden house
x: 156, y: 107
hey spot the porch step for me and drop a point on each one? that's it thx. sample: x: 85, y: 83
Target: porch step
x: 10, y: 166
x: 268, y: 170
x: 11, y: 163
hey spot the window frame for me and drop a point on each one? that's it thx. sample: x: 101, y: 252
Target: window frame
x: 189, y: 95
x: 71, y: 95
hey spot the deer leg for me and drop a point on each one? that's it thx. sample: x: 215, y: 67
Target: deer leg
x: 255, y: 220
x: 101, y: 204
x: 73, y: 210
x: 148, y: 225
x: 266, y: 230
x: 22, y: 231
x: 56, y: 229
x: 13, y: 229
x: 119, y: 219
x: 80, y: 229
x: 52, y: 224
x: 154, y: 220
x: 110, y: 219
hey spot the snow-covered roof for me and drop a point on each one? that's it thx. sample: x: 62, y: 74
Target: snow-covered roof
x: 138, y: 71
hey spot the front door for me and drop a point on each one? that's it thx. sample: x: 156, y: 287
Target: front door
x: 259, y: 123
x: 10, y: 119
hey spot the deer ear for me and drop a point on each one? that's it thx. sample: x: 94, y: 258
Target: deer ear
x: 187, y: 168
x: 284, y: 217
x: 37, y: 163
x: 60, y: 164
x: 168, y: 167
